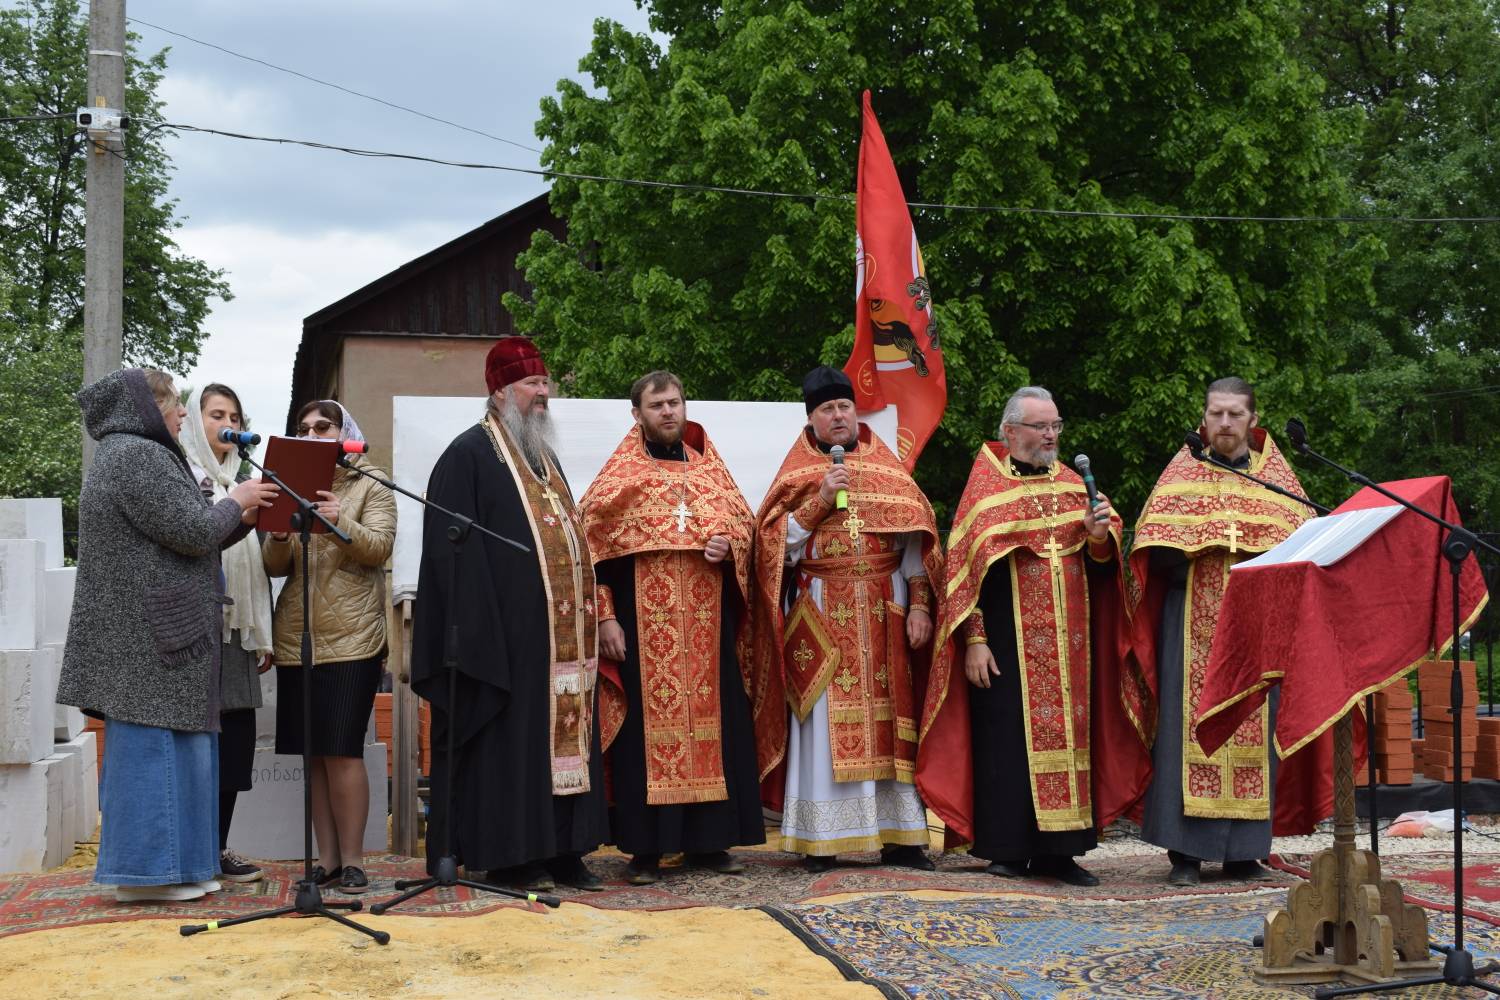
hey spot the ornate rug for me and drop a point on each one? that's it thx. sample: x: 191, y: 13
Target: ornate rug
x: 1428, y: 879
x: 771, y: 878
x: 1028, y: 946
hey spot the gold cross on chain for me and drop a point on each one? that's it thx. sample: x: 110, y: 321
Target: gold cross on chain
x: 1233, y: 531
x: 854, y: 522
x: 1052, y: 551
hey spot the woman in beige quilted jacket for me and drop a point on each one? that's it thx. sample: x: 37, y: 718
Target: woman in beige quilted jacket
x: 348, y: 639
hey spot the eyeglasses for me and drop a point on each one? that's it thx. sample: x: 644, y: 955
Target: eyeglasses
x: 1055, y: 427
x: 321, y: 427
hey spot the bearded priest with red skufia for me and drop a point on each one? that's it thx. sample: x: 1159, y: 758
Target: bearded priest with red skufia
x: 669, y: 533
x: 1034, y: 598
x: 1197, y: 523
x: 843, y: 611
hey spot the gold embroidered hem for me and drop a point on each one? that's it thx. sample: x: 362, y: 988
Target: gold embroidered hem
x: 568, y: 580
x: 678, y: 614
x: 857, y: 845
x: 1235, y: 782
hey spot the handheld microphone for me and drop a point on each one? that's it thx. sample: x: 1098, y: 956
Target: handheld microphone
x: 240, y: 439
x: 1081, y: 463
x: 1296, y: 433
x: 841, y: 498
x: 1195, y: 444
x: 354, y: 447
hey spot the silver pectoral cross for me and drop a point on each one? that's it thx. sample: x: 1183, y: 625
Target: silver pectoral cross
x: 683, y: 513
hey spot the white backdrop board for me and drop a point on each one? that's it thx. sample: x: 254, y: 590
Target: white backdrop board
x: 752, y: 437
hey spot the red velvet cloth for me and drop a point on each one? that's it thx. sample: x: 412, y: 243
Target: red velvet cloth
x: 1331, y: 634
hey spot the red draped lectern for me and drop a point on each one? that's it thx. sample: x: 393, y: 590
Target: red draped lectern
x: 1346, y: 605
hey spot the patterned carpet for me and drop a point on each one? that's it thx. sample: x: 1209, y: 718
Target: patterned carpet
x: 771, y: 878
x: 1033, y: 947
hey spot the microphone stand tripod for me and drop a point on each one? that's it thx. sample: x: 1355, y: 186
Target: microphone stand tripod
x: 1458, y: 963
x: 445, y: 875
x: 309, y: 900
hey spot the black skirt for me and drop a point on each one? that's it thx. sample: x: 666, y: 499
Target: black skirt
x: 343, y: 694
x: 236, y: 749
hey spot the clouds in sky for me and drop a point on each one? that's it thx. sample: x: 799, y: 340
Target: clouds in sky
x: 297, y: 229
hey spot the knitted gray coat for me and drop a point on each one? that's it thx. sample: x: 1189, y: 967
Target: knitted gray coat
x: 143, y: 640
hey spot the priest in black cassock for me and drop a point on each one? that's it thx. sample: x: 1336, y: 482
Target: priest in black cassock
x: 528, y: 788
x: 1028, y: 560
x: 670, y: 535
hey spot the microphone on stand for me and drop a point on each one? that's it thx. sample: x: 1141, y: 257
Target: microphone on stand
x: 1081, y: 463
x: 1194, y: 443
x: 353, y: 448
x: 841, y: 498
x: 240, y: 439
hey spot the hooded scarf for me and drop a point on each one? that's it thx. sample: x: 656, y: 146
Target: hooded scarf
x: 245, y: 578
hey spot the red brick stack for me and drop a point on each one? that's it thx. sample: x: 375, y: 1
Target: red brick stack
x: 1434, y: 680
x: 1394, y: 759
x: 384, y: 722
x: 1487, y: 756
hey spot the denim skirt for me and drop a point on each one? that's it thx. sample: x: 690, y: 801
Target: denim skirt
x: 159, y: 800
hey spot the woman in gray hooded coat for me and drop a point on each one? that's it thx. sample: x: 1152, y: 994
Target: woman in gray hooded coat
x: 143, y: 639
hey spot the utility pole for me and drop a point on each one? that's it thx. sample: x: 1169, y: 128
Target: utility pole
x: 104, y: 208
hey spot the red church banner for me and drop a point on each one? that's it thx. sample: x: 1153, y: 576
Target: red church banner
x: 897, y: 358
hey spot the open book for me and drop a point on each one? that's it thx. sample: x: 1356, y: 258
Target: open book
x: 1326, y: 540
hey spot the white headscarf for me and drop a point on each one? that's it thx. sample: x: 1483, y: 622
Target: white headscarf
x: 350, y: 431
x: 244, y: 573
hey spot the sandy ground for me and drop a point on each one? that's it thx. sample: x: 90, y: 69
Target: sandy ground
x: 575, y: 951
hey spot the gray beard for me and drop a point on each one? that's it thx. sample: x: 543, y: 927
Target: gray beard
x: 532, y: 432
x: 1046, y: 457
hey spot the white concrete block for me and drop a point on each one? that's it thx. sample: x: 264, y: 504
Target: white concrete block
x: 37, y: 518
x: 268, y: 818
x: 67, y: 721
x: 23, y: 817
x: 79, y: 820
x: 89, y: 806
x: 22, y: 593
x: 58, y: 600
x: 28, y: 686
x: 64, y: 778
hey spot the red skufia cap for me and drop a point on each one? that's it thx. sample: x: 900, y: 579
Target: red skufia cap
x: 510, y: 360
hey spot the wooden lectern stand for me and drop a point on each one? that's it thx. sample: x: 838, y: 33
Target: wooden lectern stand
x: 1345, y: 921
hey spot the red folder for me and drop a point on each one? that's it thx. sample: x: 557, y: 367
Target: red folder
x: 306, y: 466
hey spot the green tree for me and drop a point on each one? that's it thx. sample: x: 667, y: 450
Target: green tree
x: 43, y: 71
x: 1121, y: 105
x: 1423, y: 81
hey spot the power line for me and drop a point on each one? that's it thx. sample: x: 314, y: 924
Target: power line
x: 848, y: 198
x: 31, y: 118
x: 334, y: 86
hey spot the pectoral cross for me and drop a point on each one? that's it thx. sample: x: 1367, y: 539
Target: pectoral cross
x: 550, y: 495
x: 854, y: 522
x: 682, y: 513
x: 1052, y: 551
x: 1233, y: 531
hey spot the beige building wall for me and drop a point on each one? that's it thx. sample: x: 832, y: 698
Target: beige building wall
x: 373, y: 369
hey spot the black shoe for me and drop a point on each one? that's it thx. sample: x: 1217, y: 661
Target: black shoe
x: 353, y: 881
x: 721, y: 862
x: 817, y: 864
x: 1184, y: 869
x: 1248, y: 871
x: 644, y: 869
x: 907, y: 856
x: 530, y: 877
x: 1007, y: 869
x: 571, y: 871
x: 322, y: 876
x: 1065, y: 870
x: 233, y: 868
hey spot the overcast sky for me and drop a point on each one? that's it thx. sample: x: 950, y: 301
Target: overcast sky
x: 297, y: 229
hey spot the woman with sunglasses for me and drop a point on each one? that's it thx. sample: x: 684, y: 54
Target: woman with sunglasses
x: 348, y: 638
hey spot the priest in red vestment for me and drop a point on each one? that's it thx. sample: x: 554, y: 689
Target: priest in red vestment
x: 669, y: 533
x: 1032, y: 571
x: 844, y: 613
x: 1198, y: 522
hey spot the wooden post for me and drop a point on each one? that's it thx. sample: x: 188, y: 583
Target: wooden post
x: 104, y: 207
x: 1345, y: 921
